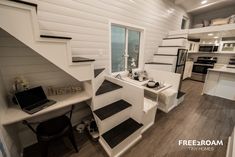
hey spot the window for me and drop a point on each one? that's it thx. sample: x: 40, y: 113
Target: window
x: 125, y: 48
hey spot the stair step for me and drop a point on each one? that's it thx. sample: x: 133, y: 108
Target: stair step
x: 180, y: 94
x: 107, y: 86
x: 55, y: 37
x: 119, y: 133
x: 98, y: 71
x: 170, y: 46
x: 24, y: 2
x: 111, y: 109
x: 81, y: 59
x: 158, y: 63
x: 170, y: 38
x: 156, y: 54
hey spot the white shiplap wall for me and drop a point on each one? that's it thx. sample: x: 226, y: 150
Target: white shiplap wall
x: 17, y: 60
x: 87, y: 22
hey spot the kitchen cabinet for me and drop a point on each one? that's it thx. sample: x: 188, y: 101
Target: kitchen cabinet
x: 192, y: 46
x: 188, y: 69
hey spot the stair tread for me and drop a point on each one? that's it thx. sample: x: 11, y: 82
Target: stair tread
x: 170, y: 38
x: 24, y: 2
x: 170, y: 46
x: 111, y: 109
x: 55, y: 37
x: 180, y: 94
x: 120, y: 132
x: 81, y: 59
x: 98, y: 71
x: 159, y: 54
x: 107, y: 86
x: 158, y: 63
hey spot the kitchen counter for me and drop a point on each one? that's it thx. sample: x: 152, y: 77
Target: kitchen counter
x: 220, y: 82
x: 224, y: 69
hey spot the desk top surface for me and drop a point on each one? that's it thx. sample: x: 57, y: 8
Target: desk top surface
x: 14, y: 113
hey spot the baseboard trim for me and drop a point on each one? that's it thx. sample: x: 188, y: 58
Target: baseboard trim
x: 147, y: 127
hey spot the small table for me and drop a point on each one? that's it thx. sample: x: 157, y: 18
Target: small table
x: 151, y: 94
x: 143, y: 85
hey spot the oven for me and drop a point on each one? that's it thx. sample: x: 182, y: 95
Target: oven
x: 201, y: 66
x: 199, y: 71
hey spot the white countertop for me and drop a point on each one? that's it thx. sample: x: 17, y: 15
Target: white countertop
x: 14, y: 113
x: 224, y: 69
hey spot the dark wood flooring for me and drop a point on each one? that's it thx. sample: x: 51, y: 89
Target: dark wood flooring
x: 198, y: 117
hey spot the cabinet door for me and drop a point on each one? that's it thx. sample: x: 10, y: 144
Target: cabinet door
x: 188, y: 69
x: 185, y: 71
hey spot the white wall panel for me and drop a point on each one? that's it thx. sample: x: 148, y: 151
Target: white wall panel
x: 17, y: 60
x: 87, y: 22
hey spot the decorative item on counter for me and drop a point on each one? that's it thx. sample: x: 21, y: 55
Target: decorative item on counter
x: 63, y: 90
x: 135, y: 76
x: 133, y: 64
x: 151, y: 84
x: 141, y: 78
x: 20, y: 84
x: 130, y: 73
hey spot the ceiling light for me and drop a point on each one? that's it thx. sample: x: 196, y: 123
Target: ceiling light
x: 204, y: 2
x: 210, y: 34
x: 216, y: 37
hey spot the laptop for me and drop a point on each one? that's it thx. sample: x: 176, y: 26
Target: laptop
x: 33, y: 100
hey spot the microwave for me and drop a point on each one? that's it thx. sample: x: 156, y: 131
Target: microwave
x: 208, y: 48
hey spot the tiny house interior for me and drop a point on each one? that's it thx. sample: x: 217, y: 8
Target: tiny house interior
x: 117, y: 78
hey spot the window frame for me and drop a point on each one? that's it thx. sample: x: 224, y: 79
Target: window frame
x: 128, y: 26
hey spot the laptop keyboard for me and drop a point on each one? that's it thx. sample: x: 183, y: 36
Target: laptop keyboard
x: 39, y: 104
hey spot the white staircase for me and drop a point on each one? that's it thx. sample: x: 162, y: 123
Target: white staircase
x: 117, y: 115
x: 20, y: 20
x: 166, y: 59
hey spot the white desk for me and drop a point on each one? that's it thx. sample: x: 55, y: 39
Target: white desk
x: 14, y: 113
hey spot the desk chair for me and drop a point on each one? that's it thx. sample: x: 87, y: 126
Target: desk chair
x: 52, y: 129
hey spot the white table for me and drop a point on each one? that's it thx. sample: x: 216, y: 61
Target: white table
x: 14, y: 113
x: 149, y: 102
x: 141, y: 84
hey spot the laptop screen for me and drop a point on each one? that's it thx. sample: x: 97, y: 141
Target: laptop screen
x: 30, y: 97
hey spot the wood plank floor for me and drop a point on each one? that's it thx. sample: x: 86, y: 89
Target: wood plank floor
x: 198, y: 117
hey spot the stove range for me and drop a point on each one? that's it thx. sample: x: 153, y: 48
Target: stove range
x: 201, y: 66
